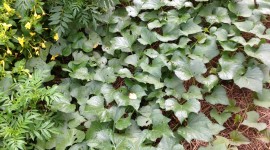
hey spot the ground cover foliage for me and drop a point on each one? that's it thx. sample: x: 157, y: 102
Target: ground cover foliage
x: 120, y: 74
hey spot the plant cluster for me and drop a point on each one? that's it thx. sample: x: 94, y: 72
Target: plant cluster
x: 25, y: 108
x: 133, y: 74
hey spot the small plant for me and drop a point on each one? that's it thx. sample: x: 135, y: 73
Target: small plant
x: 25, y: 113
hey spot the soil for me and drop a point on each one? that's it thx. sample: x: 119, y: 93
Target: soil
x: 244, y: 100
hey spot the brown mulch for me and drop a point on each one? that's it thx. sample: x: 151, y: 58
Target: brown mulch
x: 119, y: 82
x: 244, y: 100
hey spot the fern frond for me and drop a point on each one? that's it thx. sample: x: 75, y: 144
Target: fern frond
x: 106, y: 4
x: 85, y: 16
x: 24, y: 5
x: 60, y: 19
x: 76, y: 7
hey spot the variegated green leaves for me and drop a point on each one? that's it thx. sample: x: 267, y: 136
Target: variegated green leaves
x: 152, y: 62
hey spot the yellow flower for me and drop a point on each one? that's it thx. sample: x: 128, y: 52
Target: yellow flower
x: 28, y: 25
x: 37, y: 16
x: 56, y: 37
x: 21, y: 41
x: 95, y: 46
x: 43, y: 45
x: 7, y: 7
x: 32, y: 33
x: 9, y: 51
x: 36, y: 50
x: 54, y: 56
x: 6, y: 26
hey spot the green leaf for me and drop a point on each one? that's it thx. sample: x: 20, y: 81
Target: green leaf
x: 125, y: 73
x: 133, y: 11
x: 122, y: 98
x: 154, y: 24
x: 138, y: 90
x: 93, y: 41
x: 214, y: 14
x: 173, y: 15
x: 169, y: 143
x: 147, y: 37
x: 252, y: 42
x: 218, y: 96
x: 187, y: 70
x: 183, y: 42
x: 154, y: 68
x: 143, y: 121
x: 230, y: 66
x: 221, y: 34
x: 208, y: 82
x: 147, y: 16
x: 105, y: 75
x: 252, y: 121
x: 79, y: 146
x: 153, y: 4
x: 96, y: 103
x: 160, y: 126
x: 132, y: 60
x: 220, y: 118
x: 145, y: 78
x: 264, y: 6
x: 122, y: 44
x: 101, y: 140
x: 123, y: 123
x: 67, y: 138
x: 222, y: 15
x: 64, y: 105
x: 5, y: 83
x: 36, y: 63
x: 193, y: 93
x: 174, y: 86
x: 190, y: 28
x: 199, y: 127
x: 80, y: 57
x: 237, y: 138
x: 232, y: 107
x: 228, y: 45
x: 245, y: 26
x: 81, y: 93
x: 240, y: 8
x: 252, y: 79
x: 265, y: 136
x: 120, y: 21
x: 178, y: 4
x: 206, y: 51
x: 108, y: 92
x: 151, y: 53
x: 74, y: 119
x: 132, y: 139
x: 263, y: 99
x: 219, y: 143
x: 170, y: 32
x: 182, y: 111
x: 81, y: 73
x: 263, y: 54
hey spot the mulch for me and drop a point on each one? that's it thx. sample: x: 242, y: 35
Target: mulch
x: 244, y: 99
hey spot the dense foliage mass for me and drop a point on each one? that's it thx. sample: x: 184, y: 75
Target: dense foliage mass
x: 113, y: 74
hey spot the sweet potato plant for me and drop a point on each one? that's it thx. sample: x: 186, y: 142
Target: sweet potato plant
x: 132, y: 74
